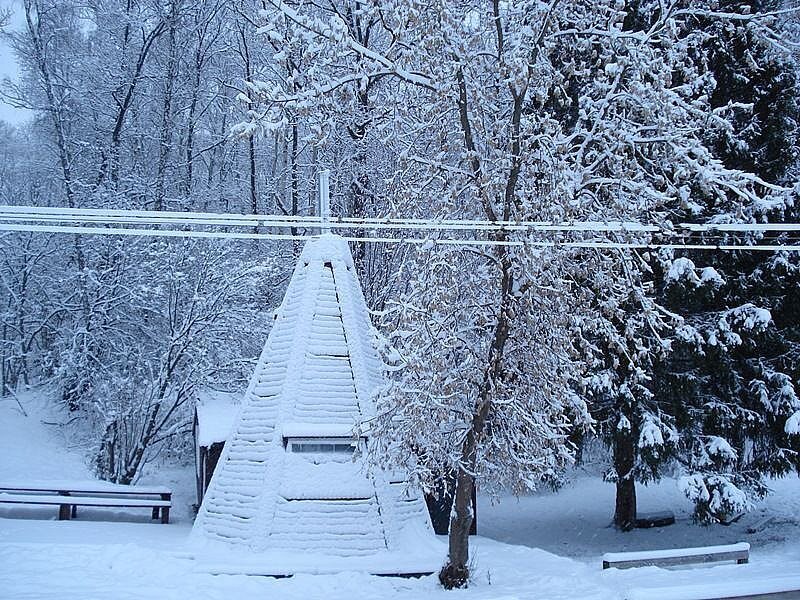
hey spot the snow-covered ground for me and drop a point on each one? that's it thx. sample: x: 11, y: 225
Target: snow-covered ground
x: 544, y: 546
x: 575, y: 522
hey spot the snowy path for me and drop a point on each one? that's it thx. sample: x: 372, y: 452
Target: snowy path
x: 133, y: 558
x: 33, y: 446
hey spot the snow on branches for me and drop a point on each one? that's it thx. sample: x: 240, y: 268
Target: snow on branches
x: 441, y: 332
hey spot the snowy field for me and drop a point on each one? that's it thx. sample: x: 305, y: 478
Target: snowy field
x: 543, y: 546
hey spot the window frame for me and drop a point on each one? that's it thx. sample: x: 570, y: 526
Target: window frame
x: 336, y: 442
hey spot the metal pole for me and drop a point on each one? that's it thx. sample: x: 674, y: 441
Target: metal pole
x: 324, y: 201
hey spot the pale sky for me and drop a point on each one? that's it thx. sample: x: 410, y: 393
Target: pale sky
x: 8, y: 63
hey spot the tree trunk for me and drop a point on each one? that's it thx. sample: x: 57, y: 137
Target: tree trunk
x: 295, y: 175
x: 165, y: 134
x: 110, y: 156
x: 624, y: 462
x: 188, y: 183
x: 251, y: 150
x: 244, y: 51
x: 455, y: 573
x: 54, y: 103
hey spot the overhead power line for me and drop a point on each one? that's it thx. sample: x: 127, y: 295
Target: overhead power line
x: 229, y: 226
x: 243, y: 235
x: 143, y: 217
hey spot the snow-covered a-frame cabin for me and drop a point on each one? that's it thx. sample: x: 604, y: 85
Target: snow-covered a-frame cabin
x: 292, y: 492
x: 214, y: 414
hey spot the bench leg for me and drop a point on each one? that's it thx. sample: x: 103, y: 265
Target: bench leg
x: 164, y: 509
x: 64, y: 511
x: 742, y: 561
x: 74, y: 510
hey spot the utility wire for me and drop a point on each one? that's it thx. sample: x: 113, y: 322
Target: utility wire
x: 143, y: 217
x: 241, y: 235
x: 228, y: 226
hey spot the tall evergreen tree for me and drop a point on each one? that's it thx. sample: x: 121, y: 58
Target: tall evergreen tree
x: 734, y: 80
x: 731, y: 378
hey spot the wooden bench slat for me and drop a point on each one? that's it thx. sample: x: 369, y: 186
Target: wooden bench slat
x: 85, y: 487
x: 80, y: 500
x: 82, y: 492
x: 677, y: 556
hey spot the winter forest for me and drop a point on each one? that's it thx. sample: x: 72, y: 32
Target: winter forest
x: 658, y: 350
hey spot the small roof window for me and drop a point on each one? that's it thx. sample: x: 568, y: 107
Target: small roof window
x: 322, y: 449
x: 321, y: 445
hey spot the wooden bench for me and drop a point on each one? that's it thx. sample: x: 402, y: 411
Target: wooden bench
x: 679, y: 556
x: 68, y: 495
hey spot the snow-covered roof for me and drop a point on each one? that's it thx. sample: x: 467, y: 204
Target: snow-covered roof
x: 316, y: 377
x: 216, y: 412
